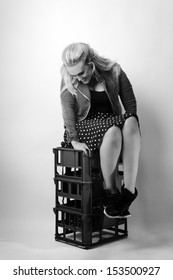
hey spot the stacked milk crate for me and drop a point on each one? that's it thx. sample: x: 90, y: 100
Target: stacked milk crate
x: 79, y: 194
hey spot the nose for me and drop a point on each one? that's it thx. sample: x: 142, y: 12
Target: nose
x: 79, y: 78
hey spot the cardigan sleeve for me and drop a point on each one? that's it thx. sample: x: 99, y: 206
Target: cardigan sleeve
x: 126, y: 94
x: 69, y: 115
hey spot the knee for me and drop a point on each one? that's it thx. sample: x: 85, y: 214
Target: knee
x: 131, y: 126
x: 113, y: 137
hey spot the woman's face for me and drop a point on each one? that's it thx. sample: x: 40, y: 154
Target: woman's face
x: 81, y: 71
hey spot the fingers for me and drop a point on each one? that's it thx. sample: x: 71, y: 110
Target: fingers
x: 81, y: 146
x: 86, y: 150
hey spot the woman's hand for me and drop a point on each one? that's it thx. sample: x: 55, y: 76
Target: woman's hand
x: 81, y: 146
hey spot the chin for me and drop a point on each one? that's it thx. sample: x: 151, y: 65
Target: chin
x: 86, y: 81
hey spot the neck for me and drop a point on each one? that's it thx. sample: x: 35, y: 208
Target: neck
x: 92, y: 82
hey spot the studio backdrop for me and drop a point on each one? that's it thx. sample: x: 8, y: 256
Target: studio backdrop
x: 135, y: 33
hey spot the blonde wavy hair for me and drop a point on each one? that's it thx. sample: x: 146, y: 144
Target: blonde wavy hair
x: 76, y: 52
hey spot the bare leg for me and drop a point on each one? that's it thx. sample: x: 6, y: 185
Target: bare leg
x: 109, y: 154
x: 131, y: 149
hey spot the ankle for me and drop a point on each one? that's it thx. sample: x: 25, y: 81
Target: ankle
x: 130, y: 189
x: 111, y: 191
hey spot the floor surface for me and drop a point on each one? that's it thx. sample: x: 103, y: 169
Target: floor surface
x: 35, y: 240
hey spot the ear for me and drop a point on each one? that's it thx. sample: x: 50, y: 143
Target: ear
x: 93, y: 66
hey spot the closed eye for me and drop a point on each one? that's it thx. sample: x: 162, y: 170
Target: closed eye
x: 79, y: 74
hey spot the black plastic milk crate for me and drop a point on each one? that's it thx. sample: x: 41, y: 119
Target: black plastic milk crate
x: 79, y: 201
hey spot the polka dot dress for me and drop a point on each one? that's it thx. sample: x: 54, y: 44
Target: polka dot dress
x: 92, y: 129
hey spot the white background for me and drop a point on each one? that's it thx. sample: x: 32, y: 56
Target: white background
x: 139, y: 35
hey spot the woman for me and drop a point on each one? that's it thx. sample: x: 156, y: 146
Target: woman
x: 91, y: 90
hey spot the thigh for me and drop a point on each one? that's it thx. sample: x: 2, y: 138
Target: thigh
x: 112, y: 136
x: 131, y: 125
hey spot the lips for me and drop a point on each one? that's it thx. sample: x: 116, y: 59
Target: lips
x: 83, y: 80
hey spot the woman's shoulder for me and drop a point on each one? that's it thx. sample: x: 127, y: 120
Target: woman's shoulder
x: 66, y: 82
x: 66, y: 95
x: 116, y: 69
x: 67, y: 91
